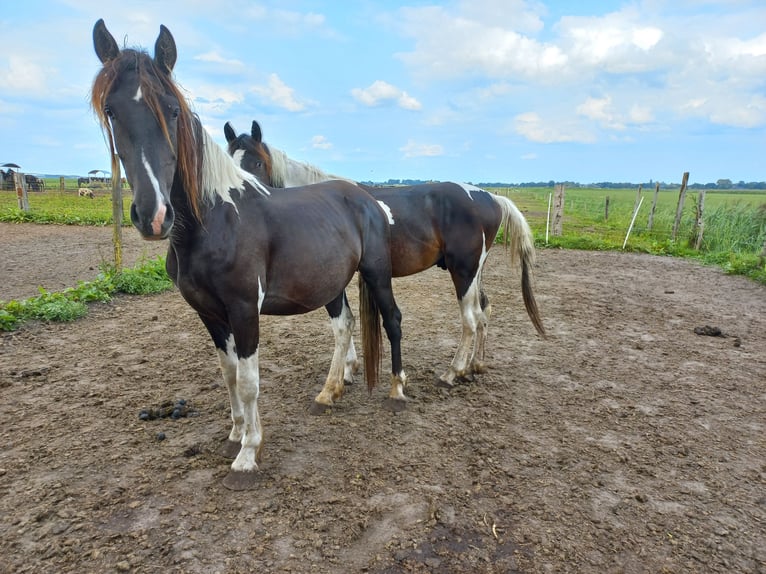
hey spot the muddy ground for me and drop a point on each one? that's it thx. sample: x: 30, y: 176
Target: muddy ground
x: 625, y: 442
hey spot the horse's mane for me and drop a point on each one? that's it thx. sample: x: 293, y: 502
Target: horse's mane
x: 202, y: 180
x: 280, y: 167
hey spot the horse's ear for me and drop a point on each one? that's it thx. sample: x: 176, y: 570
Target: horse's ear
x: 229, y: 132
x: 104, y: 43
x: 255, y: 132
x: 165, y: 52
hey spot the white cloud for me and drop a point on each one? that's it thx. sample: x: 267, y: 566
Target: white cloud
x: 474, y: 42
x: 221, y: 64
x: 532, y: 127
x: 414, y: 149
x: 279, y: 94
x: 380, y: 92
x: 320, y: 142
x: 21, y: 75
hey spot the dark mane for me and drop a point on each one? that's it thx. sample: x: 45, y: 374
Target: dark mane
x: 154, y: 82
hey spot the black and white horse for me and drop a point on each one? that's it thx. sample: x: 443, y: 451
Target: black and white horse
x: 237, y: 250
x: 450, y: 225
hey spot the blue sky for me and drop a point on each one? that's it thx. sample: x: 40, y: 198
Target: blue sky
x: 473, y: 90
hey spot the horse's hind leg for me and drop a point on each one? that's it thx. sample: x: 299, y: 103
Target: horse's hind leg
x: 342, y: 326
x: 392, y: 323
x: 477, y: 364
x: 473, y: 319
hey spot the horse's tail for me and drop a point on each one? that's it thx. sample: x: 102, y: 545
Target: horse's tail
x: 372, y: 343
x: 518, y: 234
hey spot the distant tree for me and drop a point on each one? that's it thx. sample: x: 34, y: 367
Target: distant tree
x: 724, y: 184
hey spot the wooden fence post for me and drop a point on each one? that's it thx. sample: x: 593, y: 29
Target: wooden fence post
x: 558, y: 210
x: 638, y: 196
x: 117, y: 212
x: 680, y: 207
x: 699, y: 224
x: 606, y: 209
x: 61, y: 183
x: 654, y: 206
x: 21, y: 190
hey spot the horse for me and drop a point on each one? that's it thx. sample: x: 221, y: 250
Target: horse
x: 86, y: 192
x: 448, y: 224
x: 237, y: 250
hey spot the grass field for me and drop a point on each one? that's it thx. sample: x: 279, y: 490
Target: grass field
x: 734, y: 222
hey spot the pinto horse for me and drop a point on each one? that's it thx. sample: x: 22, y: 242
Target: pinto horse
x: 237, y: 250
x: 449, y: 225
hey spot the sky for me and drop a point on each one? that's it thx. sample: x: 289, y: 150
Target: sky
x: 465, y: 90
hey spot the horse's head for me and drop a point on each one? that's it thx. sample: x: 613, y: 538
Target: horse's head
x: 250, y: 152
x: 148, y: 124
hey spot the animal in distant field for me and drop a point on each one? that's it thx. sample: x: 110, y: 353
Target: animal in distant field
x: 86, y: 192
x: 450, y: 225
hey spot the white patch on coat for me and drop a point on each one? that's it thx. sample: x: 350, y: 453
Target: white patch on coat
x: 387, y: 210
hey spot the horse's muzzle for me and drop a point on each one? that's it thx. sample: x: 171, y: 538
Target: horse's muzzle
x: 157, y: 226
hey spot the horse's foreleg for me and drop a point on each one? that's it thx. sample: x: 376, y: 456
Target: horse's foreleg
x: 229, y: 363
x: 342, y: 321
x: 352, y: 363
x: 227, y: 356
x: 244, y: 396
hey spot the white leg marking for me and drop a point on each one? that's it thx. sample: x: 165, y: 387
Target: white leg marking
x: 248, y: 389
x: 228, y: 360
x: 342, y: 327
x: 398, y: 382
x: 471, y: 314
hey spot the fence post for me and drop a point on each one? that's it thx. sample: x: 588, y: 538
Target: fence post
x: 21, y: 190
x: 680, y: 207
x: 638, y: 196
x: 606, y: 209
x: 61, y: 183
x: 650, y: 224
x: 699, y: 224
x: 117, y: 212
x: 558, y: 210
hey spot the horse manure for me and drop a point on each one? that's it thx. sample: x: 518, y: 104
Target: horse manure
x: 168, y: 409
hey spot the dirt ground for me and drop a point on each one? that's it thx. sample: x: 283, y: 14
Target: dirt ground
x: 624, y: 442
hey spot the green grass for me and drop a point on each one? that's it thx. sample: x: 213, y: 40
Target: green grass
x: 147, y: 277
x: 734, y: 224
x: 65, y: 207
x: 735, y: 230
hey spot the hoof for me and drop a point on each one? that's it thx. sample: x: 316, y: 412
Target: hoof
x: 444, y: 384
x: 317, y: 409
x: 230, y: 449
x: 241, y: 480
x: 395, y: 405
x: 479, y: 368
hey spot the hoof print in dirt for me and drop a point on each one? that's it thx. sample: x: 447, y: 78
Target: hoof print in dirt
x: 230, y: 449
x: 168, y: 409
x: 240, y: 480
x: 317, y: 409
x: 395, y: 405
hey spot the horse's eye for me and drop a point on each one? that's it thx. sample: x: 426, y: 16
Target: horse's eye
x: 176, y: 112
x: 258, y: 164
x: 108, y: 112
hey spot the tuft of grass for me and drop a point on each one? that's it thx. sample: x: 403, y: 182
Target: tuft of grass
x: 147, y: 277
